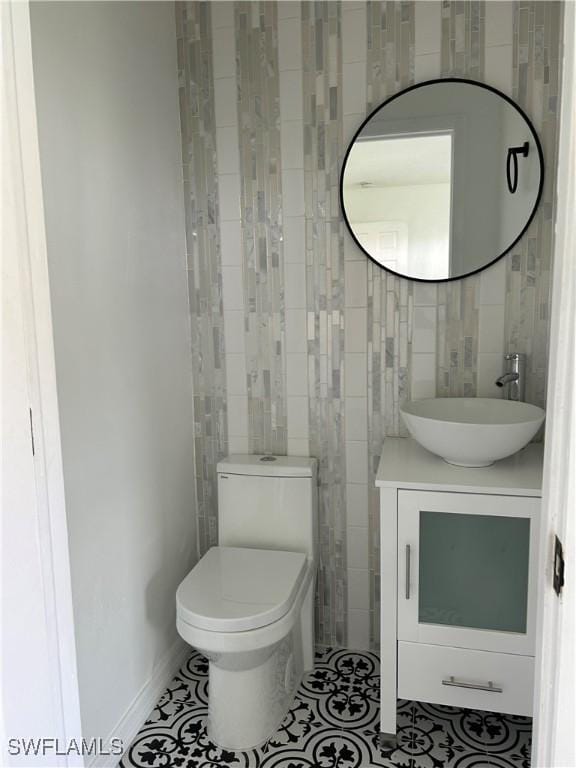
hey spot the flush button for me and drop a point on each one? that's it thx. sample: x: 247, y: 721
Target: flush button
x: 268, y: 458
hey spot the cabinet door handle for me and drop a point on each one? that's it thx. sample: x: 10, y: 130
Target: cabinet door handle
x: 407, y: 571
x: 491, y: 688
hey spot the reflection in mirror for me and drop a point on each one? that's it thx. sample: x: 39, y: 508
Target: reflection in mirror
x: 442, y: 179
x: 398, y: 195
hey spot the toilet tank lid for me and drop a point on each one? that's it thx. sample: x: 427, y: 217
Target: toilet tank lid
x: 268, y: 466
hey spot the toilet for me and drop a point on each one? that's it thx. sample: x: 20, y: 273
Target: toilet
x: 248, y: 604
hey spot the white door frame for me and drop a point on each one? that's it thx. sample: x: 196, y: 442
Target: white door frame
x: 33, y: 487
x: 554, y: 700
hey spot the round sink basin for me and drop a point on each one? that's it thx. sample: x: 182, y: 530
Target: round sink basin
x: 472, y: 431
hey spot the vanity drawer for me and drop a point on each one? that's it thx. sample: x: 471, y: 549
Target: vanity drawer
x: 422, y: 668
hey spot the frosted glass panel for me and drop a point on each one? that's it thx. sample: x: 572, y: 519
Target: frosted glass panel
x: 474, y: 571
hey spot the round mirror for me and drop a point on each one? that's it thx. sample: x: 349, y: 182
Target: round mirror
x: 442, y: 179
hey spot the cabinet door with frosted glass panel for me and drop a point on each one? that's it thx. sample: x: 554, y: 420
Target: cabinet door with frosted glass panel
x: 466, y: 570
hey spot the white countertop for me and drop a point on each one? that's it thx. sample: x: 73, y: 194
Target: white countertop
x: 405, y: 464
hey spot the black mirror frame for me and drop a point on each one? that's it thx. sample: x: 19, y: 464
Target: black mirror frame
x: 422, y: 85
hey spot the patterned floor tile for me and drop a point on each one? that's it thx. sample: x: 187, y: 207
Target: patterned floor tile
x: 333, y: 723
x: 508, y: 739
x: 345, y: 688
x: 184, y: 744
x: 321, y: 749
x: 300, y: 724
x: 463, y: 726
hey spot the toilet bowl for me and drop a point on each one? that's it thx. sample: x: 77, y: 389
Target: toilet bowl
x: 248, y: 604
x: 250, y: 612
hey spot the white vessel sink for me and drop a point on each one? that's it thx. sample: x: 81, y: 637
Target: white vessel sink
x: 472, y: 431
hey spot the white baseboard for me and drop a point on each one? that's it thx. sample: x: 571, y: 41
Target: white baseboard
x: 136, y: 714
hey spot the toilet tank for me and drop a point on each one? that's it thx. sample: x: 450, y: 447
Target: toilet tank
x: 268, y: 502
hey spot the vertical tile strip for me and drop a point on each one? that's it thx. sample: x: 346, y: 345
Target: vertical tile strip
x: 536, y: 77
x: 261, y: 211
x: 462, y: 53
x: 196, y: 85
x: 463, y: 38
x: 390, y: 67
x: 359, y: 581
x: 323, y: 150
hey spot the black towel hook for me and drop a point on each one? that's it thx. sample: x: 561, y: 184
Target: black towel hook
x: 512, y: 165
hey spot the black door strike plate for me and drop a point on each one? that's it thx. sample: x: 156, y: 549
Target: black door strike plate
x: 558, y: 580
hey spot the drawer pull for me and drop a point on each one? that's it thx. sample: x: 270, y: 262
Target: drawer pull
x: 407, y: 571
x: 491, y: 688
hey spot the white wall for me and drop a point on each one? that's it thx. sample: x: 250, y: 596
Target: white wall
x: 106, y: 83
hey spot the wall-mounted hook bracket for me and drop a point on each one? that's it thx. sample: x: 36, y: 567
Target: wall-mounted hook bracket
x: 512, y: 165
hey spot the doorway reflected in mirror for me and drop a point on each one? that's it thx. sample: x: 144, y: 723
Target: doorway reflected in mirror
x: 398, y: 197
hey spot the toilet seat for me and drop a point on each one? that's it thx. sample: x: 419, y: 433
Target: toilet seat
x: 234, y: 589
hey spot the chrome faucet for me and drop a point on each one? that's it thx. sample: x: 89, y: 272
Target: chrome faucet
x: 513, y: 377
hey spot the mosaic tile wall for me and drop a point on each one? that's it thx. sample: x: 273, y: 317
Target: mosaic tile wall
x: 203, y: 237
x: 323, y: 148
x: 261, y: 215
x: 300, y: 345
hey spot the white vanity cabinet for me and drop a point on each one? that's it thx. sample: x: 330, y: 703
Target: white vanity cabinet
x: 459, y: 549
